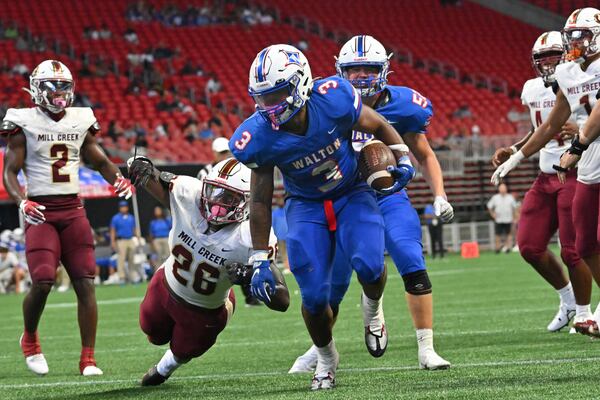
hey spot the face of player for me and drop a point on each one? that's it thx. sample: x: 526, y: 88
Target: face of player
x: 545, y: 64
x: 220, y: 204
x: 364, y: 77
x: 57, y: 93
x: 577, y: 42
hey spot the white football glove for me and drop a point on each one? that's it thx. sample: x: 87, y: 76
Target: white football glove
x: 32, y: 212
x: 443, y: 209
x: 508, y: 166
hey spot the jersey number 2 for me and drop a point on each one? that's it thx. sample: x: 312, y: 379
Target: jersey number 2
x: 205, y: 278
x: 63, y: 150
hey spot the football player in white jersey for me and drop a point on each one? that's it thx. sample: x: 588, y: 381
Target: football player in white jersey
x: 46, y: 142
x: 577, y: 89
x: 190, y: 300
x: 547, y: 205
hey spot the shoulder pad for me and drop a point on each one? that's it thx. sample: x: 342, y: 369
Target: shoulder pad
x: 8, y: 128
x: 95, y: 128
x: 555, y: 87
x: 166, y: 179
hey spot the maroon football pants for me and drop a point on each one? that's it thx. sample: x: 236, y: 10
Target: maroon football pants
x: 190, y: 330
x: 66, y: 236
x: 585, y: 217
x: 546, y: 208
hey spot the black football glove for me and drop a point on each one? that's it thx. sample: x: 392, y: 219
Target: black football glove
x: 239, y: 274
x: 141, y: 170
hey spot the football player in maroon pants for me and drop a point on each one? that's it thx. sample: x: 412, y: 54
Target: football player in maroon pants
x: 46, y: 142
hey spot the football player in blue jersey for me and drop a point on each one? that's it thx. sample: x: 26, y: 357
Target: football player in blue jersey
x: 365, y: 63
x: 304, y: 127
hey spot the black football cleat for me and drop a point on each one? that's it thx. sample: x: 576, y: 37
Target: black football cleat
x: 153, y: 378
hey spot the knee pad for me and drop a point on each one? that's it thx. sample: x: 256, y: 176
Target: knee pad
x: 417, y: 283
x: 365, y: 272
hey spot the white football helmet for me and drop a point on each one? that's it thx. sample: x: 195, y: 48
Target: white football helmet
x: 364, y: 50
x: 225, y: 193
x: 280, y: 82
x: 51, y: 86
x: 18, y: 235
x: 580, y: 34
x: 546, y: 54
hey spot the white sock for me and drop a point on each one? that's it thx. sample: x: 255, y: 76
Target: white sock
x: 167, y: 364
x: 597, y: 313
x: 310, y: 353
x: 425, y: 339
x: 583, y: 311
x: 566, y: 295
x: 372, y: 309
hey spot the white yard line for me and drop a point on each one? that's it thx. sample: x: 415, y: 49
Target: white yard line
x: 283, y: 373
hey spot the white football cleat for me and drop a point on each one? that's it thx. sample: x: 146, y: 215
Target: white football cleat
x: 376, y: 337
x: 37, y: 364
x: 324, y: 377
x: 307, y: 362
x: 429, y: 359
x: 91, y: 370
x: 562, y: 318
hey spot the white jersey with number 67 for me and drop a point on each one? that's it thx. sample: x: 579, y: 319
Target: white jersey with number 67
x: 53, y: 148
x: 195, y: 270
x: 582, y: 88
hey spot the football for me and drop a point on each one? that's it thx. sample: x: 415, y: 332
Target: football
x: 373, y: 160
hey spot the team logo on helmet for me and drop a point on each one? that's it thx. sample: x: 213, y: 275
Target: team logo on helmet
x: 597, y: 18
x: 293, y: 58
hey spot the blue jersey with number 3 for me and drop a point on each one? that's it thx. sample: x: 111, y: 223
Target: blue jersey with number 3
x: 318, y: 165
x: 406, y: 110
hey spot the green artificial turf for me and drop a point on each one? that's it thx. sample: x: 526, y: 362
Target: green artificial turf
x: 490, y: 322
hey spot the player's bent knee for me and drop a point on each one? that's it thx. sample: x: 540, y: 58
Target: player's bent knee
x: 366, y: 272
x: 43, y: 288
x: 417, y: 283
x: 532, y: 254
x: 315, y: 304
x: 570, y: 257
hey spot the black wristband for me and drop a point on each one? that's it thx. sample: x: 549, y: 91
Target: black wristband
x: 577, y: 147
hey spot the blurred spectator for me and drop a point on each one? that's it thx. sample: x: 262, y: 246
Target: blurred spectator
x: 163, y: 51
x: 21, y: 44
x: 436, y: 231
x: 20, y: 69
x: 11, y: 272
x: 122, y: 232
x: 159, y: 230
x: 130, y: 36
x: 302, y: 44
x: 502, y: 208
x: 11, y: 32
x: 82, y: 100
x: 207, y: 133
x: 220, y: 148
x: 462, y: 112
x: 516, y: 114
x: 141, y: 143
x: 104, y: 32
x: 213, y: 85
x: 161, y: 130
x: 114, y: 130
x: 189, y: 69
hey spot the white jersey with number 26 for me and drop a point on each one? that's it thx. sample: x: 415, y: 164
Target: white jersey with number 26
x: 195, y: 270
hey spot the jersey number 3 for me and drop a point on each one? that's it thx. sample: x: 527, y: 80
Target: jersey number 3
x: 205, y: 278
x: 63, y: 150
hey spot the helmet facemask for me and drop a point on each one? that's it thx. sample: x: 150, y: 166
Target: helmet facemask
x: 580, y: 43
x: 545, y: 63
x: 52, y: 94
x: 280, y: 103
x: 374, y: 84
x: 222, y: 204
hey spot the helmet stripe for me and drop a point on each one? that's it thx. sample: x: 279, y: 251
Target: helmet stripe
x: 227, y: 168
x: 360, y: 46
x: 260, y: 73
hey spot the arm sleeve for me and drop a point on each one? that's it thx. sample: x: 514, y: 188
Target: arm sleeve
x: 524, y: 94
x: 244, y: 144
x: 346, y: 93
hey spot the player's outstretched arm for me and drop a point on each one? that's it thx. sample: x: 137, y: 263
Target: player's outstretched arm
x: 261, y: 198
x: 144, y: 174
x: 14, y: 159
x: 280, y: 301
x: 503, y: 153
x: 94, y: 154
